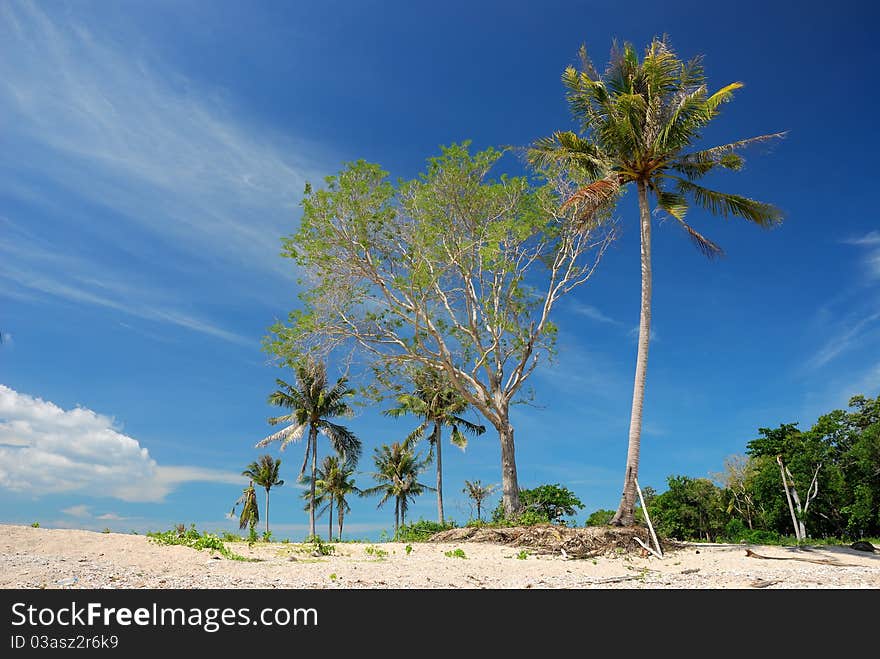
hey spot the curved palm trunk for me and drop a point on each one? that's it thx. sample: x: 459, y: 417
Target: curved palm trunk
x: 625, y: 512
x: 313, y: 443
x: 339, y: 516
x: 267, y: 512
x: 437, y: 443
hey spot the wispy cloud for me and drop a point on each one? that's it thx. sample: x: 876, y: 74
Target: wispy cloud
x: 851, y: 333
x: 45, y: 449
x: 127, y: 170
x: 591, y: 312
x: 871, y: 241
x: 80, y: 510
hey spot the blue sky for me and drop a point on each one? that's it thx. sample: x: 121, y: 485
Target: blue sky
x: 154, y: 153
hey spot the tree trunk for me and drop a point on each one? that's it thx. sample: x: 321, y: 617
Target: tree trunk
x: 509, y: 483
x: 396, y: 516
x: 313, y: 442
x: 479, y: 519
x: 330, y: 525
x: 339, y: 516
x: 437, y: 443
x: 625, y: 512
x: 794, y: 520
x: 267, y: 512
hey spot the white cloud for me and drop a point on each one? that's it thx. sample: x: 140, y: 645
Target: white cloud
x: 80, y: 510
x: 45, y: 449
x: 113, y: 517
x: 870, y: 238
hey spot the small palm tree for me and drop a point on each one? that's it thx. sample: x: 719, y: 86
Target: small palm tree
x: 334, y: 484
x: 477, y: 492
x: 312, y: 405
x: 438, y: 404
x: 397, y: 471
x: 639, y: 122
x: 249, y: 514
x: 264, y: 472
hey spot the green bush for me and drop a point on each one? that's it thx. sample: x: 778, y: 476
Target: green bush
x: 545, y: 504
x: 421, y: 531
x: 601, y: 517
x: 192, y: 538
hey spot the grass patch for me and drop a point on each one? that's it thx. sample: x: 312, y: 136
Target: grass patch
x: 195, y: 540
x: 375, y: 552
x: 455, y: 553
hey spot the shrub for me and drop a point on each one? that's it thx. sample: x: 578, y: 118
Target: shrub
x: 455, y: 553
x: 545, y: 504
x: 422, y: 530
x: 192, y: 538
x: 601, y: 517
x: 36, y: 525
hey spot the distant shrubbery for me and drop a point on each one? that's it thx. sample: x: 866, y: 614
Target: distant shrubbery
x: 422, y: 530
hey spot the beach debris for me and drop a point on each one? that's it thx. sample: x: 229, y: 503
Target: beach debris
x: 69, y: 581
x: 863, y: 545
x: 576, y: 543
x: 692, y: 570
x: 820, y: 561
x: 764, y: 583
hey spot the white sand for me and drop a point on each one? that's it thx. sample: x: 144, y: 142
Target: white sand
x: 60, y: 558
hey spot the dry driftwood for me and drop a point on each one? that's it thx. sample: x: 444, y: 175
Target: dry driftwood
x: 820, y: 561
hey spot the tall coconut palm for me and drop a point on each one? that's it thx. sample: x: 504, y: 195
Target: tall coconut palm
x: 312, y: 405
x: 438, y: 404
x: 264, y: 472
x: 397, y: 471
x: 477, y: 492
x: 639, y: 122
x: 334, y: 484
x: 249, y: 515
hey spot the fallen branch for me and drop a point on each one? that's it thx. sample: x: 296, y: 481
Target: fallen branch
x: 820, y: 561
x: 647, y: 547
x: 659, y: 553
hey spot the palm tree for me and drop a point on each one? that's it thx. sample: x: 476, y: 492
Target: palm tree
x: 334, y: 484
x: 477, y: 492
x: 438, y: 404
x: 249, y: 514
x: 639, y: 122
x: 264, y: 472
x: 397, y: 471
x: 312, y: 405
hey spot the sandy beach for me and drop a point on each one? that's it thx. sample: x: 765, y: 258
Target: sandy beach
x: 33, y: 558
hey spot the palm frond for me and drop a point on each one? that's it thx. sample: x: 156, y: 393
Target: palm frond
x: 343, y: 440
x: 724, y: 204
x: 588, y: 200
x: 698, y: 163
x: 291, y: 433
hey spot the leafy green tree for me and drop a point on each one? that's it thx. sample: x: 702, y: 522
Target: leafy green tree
x: 639, y: 121
x: 313, y: 404
x: 478, y: 493
x: 552, y: 501
x: 601, y: 517
x: 691, y: 508
x: 264, y: 472
x: 397, y: 471
x: 795, y: 451
x: 545, y: 504
x: 438, y: 404
x: 453, y: 271
x: 334, y: 485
